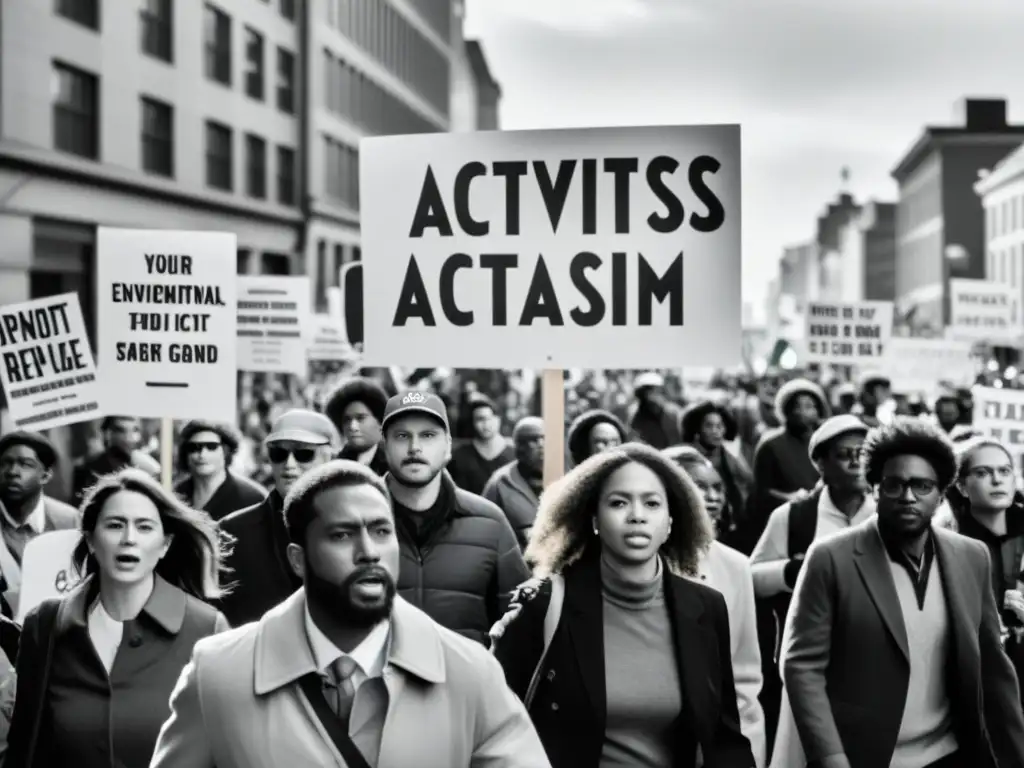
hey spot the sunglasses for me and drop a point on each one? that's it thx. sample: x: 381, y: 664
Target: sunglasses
x: 895, y: 488
x: 279, y: 455
x: 195, y: 448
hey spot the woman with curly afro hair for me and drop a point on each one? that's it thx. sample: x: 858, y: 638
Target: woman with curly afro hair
x: 637, y: 671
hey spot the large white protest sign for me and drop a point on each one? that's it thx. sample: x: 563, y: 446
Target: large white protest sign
x: 925, y: 365
x: 596, y: 248
x: 166, y: 306
x: 46, y: 569
x: 981, y: 310
x: 273, y: 322
x: 999, y: 413
x: 847, y: 333
x: 46, y: 365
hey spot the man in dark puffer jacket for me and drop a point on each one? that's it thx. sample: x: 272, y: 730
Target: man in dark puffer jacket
x: 460, y: 558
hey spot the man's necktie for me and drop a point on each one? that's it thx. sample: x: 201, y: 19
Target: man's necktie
x: 339, y: 688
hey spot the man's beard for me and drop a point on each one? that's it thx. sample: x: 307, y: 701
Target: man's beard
x: 409, y: 482
x: 339, y: 599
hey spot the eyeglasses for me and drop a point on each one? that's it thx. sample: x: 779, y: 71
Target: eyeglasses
x: 279, y: 455
x: 896, y: 488
x: 848, y: 455
x: 194, y: 448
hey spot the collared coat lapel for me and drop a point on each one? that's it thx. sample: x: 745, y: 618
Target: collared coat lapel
x: 584, y: 620
x: 961, y: 619
x: 872, y: 564
x: 686, y: 614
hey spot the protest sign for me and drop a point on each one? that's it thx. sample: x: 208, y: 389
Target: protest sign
x: 166, y: 310
x: 46, y: 365
x: 982, y: 310
x: 273, y: 318
x: 596, y: 248
x: 46, y: 569
x: 925, y: 365
x: 847, y: 333
x: 327, y: 340
x: 999, y: 413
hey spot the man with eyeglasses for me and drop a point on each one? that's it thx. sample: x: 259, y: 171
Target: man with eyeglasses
x: 299, y: 440
x: 839, y: 501
x: 892, y: 653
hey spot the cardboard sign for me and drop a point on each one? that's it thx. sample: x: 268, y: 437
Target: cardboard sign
x: 166, y: 305
x: 981, y: 310
x: 999, y: 413
x: 327, y: 340
x: 273, y: 320
x: 847, y: 333
x: 46, y: 364
x: 46, y: 569
x: 926, y: 365
x: 596, y: 248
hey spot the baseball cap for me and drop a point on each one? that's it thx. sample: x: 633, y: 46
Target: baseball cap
x: 301, y: 426
x: 415, y: 401
x: 648, y: 379
x: 832, y: 428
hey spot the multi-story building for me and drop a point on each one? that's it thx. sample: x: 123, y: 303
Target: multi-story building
x: 940, y: 224
x: 476, y: 95
x: 867, y: 253
x: 799, y: 274
x: 160, y: 114
x: 374, y: 67
x: 1002, y: 198
x: 827, y: 233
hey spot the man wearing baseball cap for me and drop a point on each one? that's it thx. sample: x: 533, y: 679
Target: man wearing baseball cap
x: 839, y: 501
x: 299, y: 440
x: 459, y: 556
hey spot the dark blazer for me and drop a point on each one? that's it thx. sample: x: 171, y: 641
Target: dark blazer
x: 846, y: 663
x: 260, y: 571
x: 570, y: 705
x: 233, y: 494
x: 90, y: 719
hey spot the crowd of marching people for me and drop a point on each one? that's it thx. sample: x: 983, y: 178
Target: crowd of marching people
x: 774, y: 574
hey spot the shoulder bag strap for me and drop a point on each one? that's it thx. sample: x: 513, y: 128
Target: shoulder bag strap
x: 551, y: 619
x: 313, y: 688
x: 47, y: 629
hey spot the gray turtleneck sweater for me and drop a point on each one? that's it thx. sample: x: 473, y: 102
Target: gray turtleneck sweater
x: 641, y: 676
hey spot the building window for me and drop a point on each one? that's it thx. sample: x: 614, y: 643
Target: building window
x: 286, y: 176
x: 254, y: 64
x: 342, y: 172
x: 276, y: 264
x: 157, y: 25
x: 288, y: 9
x: 321, y: 277
x: 244, y: 260
x: 219, y: 156
x: 157, y: 138
x: 286, y: 81
x: 255, y: 167
x: 84, y: 12
x: 75, y: 111
x: 218, y: 45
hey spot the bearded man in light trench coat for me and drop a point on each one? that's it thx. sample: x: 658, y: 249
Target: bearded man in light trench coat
x: 424, y: 696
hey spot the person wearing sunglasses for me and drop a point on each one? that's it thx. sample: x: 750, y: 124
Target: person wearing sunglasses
x: 299, y: 440
x: 892, y: 653
x: 206, y: 450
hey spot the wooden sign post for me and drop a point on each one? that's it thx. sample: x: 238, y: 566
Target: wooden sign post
x: 552, y: 399
x: 167, y: 453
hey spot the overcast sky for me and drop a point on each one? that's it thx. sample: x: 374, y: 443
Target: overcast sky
x: 816, y: 84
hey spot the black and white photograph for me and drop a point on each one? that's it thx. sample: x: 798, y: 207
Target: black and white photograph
x: 511, y: 384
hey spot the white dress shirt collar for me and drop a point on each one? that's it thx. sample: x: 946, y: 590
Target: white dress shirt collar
x: 370, y: 654
x: 827, y: 507
x: 36, y: 521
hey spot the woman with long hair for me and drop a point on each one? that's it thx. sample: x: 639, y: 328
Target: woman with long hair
x: 95, y: 670
x: 620, y: 658
x: 728, y: 571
